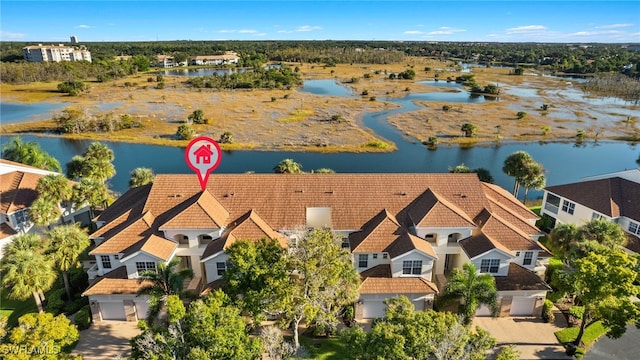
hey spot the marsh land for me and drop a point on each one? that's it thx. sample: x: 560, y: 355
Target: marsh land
x: 295, y: 120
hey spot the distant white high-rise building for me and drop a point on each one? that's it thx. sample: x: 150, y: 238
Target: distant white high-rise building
x: 74, y: 39
x: 55, y: 53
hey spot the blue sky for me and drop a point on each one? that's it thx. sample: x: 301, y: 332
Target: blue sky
x: 506, y: 21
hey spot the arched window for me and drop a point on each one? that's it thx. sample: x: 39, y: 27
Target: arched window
x: 205, y: 239
x: 431, y: 237
x: 453, y: 238
x: 181, y: 239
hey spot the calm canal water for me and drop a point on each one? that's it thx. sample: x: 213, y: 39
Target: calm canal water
x: 564, y: 162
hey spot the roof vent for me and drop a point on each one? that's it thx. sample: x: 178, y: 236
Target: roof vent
x: 299, y: 191
x: 329, y: 192
x: 402, y: 193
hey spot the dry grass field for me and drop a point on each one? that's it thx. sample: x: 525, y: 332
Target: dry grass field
x: 295, y: 120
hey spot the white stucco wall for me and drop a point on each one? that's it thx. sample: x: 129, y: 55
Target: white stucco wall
x: 503, y: 269
x: 130, y: 263
x: 211, y: 269
x: 427, y: 264
x: 371, y: 261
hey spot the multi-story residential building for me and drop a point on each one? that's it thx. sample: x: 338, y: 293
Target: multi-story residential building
x: 55, y: 53
x: 406, y: 233
x: 17, y: 192
x: 614, y: 197
x: 228, y: 57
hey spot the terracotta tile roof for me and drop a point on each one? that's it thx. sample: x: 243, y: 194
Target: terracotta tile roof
x: 499, y: 230
x: 431, y: 210
x: 131, y: 201
x: 17, y: 191
x: 513, y: 218
x: 282, y: 200
x: 158, y: 247
x: 407, y: 242
x: 113, y: 283
x: 613, y: 197
x: 6, y: 231
x: 250, y: 226
x: 376, y: 235
x: 210, y: 287
x: 378, y: 280
x: 499, y: 195
x: 127, y: 234
x: 520, y: 278
x: 202, y: 211
x: 479, y: 244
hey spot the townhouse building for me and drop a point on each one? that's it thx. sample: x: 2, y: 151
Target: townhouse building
x: 406, y: 233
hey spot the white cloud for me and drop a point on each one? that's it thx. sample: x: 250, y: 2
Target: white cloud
x: 527, y: 29
x: 226, y: 31
x: 247, y: 31
x: 613, y: 26
x: 11, y: 35
x: 413, y: 32
x: 445, y: 30
x: 83, y: 26
x: 259, y: 34
x: 306, y: 28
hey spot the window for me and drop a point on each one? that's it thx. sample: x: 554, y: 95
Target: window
x: 106, y: 261
x: 22, y: 217
x: 363, y: 260
x: 489, y: 265
x: 145, y: 266
x: 205, y: 239
x: 528, y: 257
x: 385, y: 255
x: 221, y: 267
x: 596, y: 216
x: 634, y: 228
x: 412, y: 267
x: 345, y: 243
x: 568, y: 207
x: 116, y: 256
x: 375, y: 256
x: 517, y: 253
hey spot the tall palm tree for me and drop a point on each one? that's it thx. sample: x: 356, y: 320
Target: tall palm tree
x: 29, y: 153
x: 95, y: 164
x: 562, y: 239
x: 66, y: 243
x: 26, y: 270
x: 54, y: 187
x: 163, y: 282
x: 288, y: 166
x: 534, y: 179
x: 91, y: 192
x: 43, y: 212
x: 472, y: 290
x: 141, y: 176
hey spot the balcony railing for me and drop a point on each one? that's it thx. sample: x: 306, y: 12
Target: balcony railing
x: 92, y: 272
x: 551, y: 208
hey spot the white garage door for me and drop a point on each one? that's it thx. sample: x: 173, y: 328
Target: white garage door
x: 521, y: 306
x: 373, y: 309
x: 141, y: 309
x: 112, y: 310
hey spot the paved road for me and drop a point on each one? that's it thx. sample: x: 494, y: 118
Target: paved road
x: 626, y: 347
x: 106, y: 340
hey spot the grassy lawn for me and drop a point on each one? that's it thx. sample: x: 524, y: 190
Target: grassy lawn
x: 536, y: 209
x: 325, y: 348
x: 13, y: 309
x: 591, y: 334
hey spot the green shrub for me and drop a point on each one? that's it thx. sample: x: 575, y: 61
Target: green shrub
x: 76, y: 304
x: 521, y: 115
x: 160, y: 85
x: 365, y: 92
x: 446, y: 107
x: 378, y: 144
x: 373, y: 98
x: 576, y: 311
x: 55, y: 303
x: 83, y: 318
x: 547, y: 311
x: 185, y: 132
x: 73, y: 88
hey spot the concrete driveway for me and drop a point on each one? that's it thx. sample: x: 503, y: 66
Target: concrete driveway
x: 532, y: 337
x: 107, y: 340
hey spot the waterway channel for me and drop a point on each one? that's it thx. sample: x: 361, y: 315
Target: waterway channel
x: 564, y: 162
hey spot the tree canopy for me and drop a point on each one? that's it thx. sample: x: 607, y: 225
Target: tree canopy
x: 525, y: 170
x: 30, y: 154
x: 288, y: 166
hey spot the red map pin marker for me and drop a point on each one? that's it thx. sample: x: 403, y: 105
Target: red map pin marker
x: 203, y: 155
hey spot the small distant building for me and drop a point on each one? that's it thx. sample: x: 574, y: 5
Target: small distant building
x: 74, y: 39
x: 165, y: 61
x: 228, y: 57
x: 55, y: 53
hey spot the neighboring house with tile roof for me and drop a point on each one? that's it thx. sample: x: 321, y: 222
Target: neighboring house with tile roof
x: 17, y: 192
x: 229, y: 57
x: 614, y: 197
x: 406, y: 233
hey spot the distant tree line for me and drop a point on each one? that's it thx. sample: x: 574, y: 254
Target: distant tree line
x: 259, y: 78
x: 556, y: 58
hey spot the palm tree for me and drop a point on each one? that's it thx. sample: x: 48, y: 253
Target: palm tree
x: 163, y: 282
x: 43, y: 212
x: 91, y: 192
x: 66, y: 243
x: 534, y: 179
x: 29, y: 153
x: 141, y: 176
x: 519, y: 165
x: 288, y: 166
x: 26, y: 270
x: 468, y: 129
x: 95, y: 164
x: 472, y: 290
x: 54, y: 187
x: 562, y: 239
